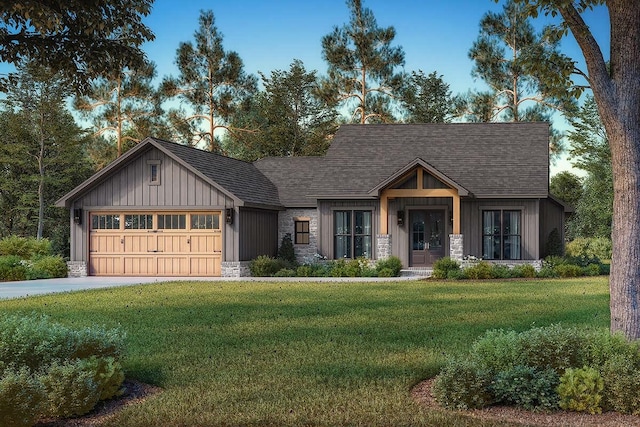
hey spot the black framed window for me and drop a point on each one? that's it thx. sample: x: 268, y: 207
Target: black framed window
x: 352, y: 234
x: 172, y: 222
x: 302, y: 233
x: 501, y: 234
x: 105, y: 222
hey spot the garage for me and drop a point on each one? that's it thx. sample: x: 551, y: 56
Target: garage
x: 155, y: 243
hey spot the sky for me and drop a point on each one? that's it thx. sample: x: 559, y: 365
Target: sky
x: 436, y: 35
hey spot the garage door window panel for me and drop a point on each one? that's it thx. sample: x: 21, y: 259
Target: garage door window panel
x: 105, y: 222
x: 205, y: 222
x: 172, y: 222
x: 138, y: 222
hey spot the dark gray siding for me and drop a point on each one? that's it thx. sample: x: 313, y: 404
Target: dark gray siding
x: 551, y: 217
x: 258, y: 233
x: 128, y: 189
x: 325, y: 221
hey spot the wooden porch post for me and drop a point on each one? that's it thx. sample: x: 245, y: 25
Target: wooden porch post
x: 456, y: 214
x: 384, y: 207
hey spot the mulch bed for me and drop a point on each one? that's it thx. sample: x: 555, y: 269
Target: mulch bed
x: 422, y: 394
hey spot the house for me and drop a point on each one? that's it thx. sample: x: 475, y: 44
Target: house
x: 416, y: 191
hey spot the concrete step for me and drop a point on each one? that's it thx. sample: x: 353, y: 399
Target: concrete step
x: 416, y: 272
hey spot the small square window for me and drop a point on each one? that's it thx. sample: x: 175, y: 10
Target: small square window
x: 302, y: 232
x: 154, y: 172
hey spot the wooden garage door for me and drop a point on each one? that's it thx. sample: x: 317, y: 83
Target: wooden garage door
x: 155, y: 244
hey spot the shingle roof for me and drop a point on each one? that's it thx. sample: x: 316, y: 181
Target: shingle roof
x: 488, y: 159
x: 241, y: 179
x: 293, y: 176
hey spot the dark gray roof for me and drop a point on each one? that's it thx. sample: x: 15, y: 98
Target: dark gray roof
x: 293, y: 176
x: 241, y: 179
x: 487, y: 159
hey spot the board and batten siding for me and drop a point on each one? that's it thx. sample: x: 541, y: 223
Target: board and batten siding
x: 325, y: 221
x: 471, y: 212
x: 128, y: 189
x: 258, y: 233
x: 551, y: 216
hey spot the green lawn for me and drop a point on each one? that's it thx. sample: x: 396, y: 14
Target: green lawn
x: 308, y: 354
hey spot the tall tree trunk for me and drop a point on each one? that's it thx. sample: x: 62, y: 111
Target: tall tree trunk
x: 617, y: 95
x: 41, y: 179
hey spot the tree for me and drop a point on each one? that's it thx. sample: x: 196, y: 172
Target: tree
x: 212, y: 83
x: 362, y: 66
x: 427, y: 99
x: 291, y: 119
x: 567, y: 187
x: 124, y: 105
x: 41, y: 155
x: 616, y: 90
x: 82, y: 40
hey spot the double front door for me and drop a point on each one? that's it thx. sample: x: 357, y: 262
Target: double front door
x: 427, y: 236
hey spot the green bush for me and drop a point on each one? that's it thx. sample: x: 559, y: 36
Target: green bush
x: 591, y: 270
x: 479, y: 271
x: 547, y: 272
x: 24, y: 247
x: 599, y: 247
x: 553, y: 246
x: 392, y: 263
x: 285, y: 272
x: 621, y: 378
x: 580, y: 390
x: 462, y: 385
x: 305, y: 271
x: 385, y: 272
x: 286, y: 252
x: 264, y: 266
x: 456, y: 275
x: 554, y: 347
x: 527, y: 387
x: 497, y: 350
x: 108, y: 375
x: 443, y: 266
x: 500, y: 272
x: 22, y: 398
x: 12, y: 268
x: 568, y: 270
x: 53, y: 266
x: 523, y: 270
x: 71, y: 388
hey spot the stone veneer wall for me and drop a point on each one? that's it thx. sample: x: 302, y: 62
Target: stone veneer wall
x: 383, y: 246
x: 456, y: 246
x: 235, y: 269
x: 77, y: 268
x: 286, y: 225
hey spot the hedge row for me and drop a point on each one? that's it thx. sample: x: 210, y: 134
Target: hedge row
x: 26, y: 258
x: 49, y: 370
x: 265, y: 266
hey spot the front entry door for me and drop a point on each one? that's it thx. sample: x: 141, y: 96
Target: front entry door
x: 427, y: 237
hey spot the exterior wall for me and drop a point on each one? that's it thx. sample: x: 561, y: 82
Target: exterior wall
x: 128, y: 189
x: 258, y: 233
x: 551, y: 217
x: 286, y: 225
x: 471, y: 212
x: 325, y: 221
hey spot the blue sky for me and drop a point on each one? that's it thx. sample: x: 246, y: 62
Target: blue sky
x: 269, y: 34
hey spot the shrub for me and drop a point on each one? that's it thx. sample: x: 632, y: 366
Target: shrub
x: 353, y: 267
x: 71, y: 388
x: 372, y: 272
x: 24, y: 247
x: 547, y: 272
x: 462, y: 385
x: 22, y: 398
x: 568, y: 270
x: 621, y: 378
x: 500, y: 272
x: 554, y: 347
x: 443, y: 266
x: 481, y: 270
x: 108, y: 375
x: 54, y: 266
x: 456, y: 275
x: 264, y: 266
x: 580, y: 390
x: 553, y: 246
x: 527, y: 387
x: 386, y: 272
x: 497, y: 350
x: 12, y: 268
x: 392, y: 263
x: 285, y: 272
x: 523, y: 270
x: 304, y: 271
x: 591, y: 270
x: 599, y: 247
x: 286, y: 253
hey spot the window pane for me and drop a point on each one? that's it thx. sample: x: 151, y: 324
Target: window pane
x: 511, y: 222
x: 172, y: 222
x: 362, y: 222
x: 511, y: 247
x: 362, y: 246
x: 343, y: 222
x: 343, y: 247
x: 491, y: 222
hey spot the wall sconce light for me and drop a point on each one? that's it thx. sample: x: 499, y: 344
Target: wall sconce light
x: 229, y: 215
x: 77, y: 216
x: 400, y: 218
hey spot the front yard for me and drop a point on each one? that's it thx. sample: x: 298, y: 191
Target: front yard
x: 312, y: 354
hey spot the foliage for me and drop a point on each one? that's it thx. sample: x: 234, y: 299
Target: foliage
x: 22, y: 398
x: 481, y: 270
x: 362, y: 74
x: 65, y: 36
x: 523, y: 270
x: 51, y: 266
x: 285, y: 272
x: 599, y: 247
x: 567, y: 187
x: 291, y: 118
x: 553, y: 245
x: 286, y: 253
x: 427, y: 99
x: 393, y: 264
x: 580, y: 390
x: 527, y: 387
x: 12, y: 268
x: 212, y: 82
x: 443, y: 266
x: 108, y: 375
x: 264, y: 266
x: 462, y: 385
x: 621, y: 379
x: 71, y: 388
x: 24, y: 247
x: 569, y: 270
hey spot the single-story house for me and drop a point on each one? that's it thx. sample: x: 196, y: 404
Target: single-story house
x: 416, y: 191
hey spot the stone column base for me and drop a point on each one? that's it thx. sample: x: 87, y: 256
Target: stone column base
x: 77, y: 269
x: 456, y: 246
x: 383, y: 243
x: 235, y: 269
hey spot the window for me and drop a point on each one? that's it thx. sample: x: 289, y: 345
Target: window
x: 501, y: 235
x: 154, y: 172
x: 302, y: 232
x: 205, y: 222
x: 105, y: 222
x: 352, y: 234
x: 138, y: 222
x: 172, y: 222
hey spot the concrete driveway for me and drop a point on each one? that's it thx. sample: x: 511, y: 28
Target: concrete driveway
x: 49, y: 286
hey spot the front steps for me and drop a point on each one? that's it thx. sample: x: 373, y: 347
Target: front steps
x: 416, y: 272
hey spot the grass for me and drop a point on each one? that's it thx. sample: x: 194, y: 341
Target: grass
x: 308, y: 354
